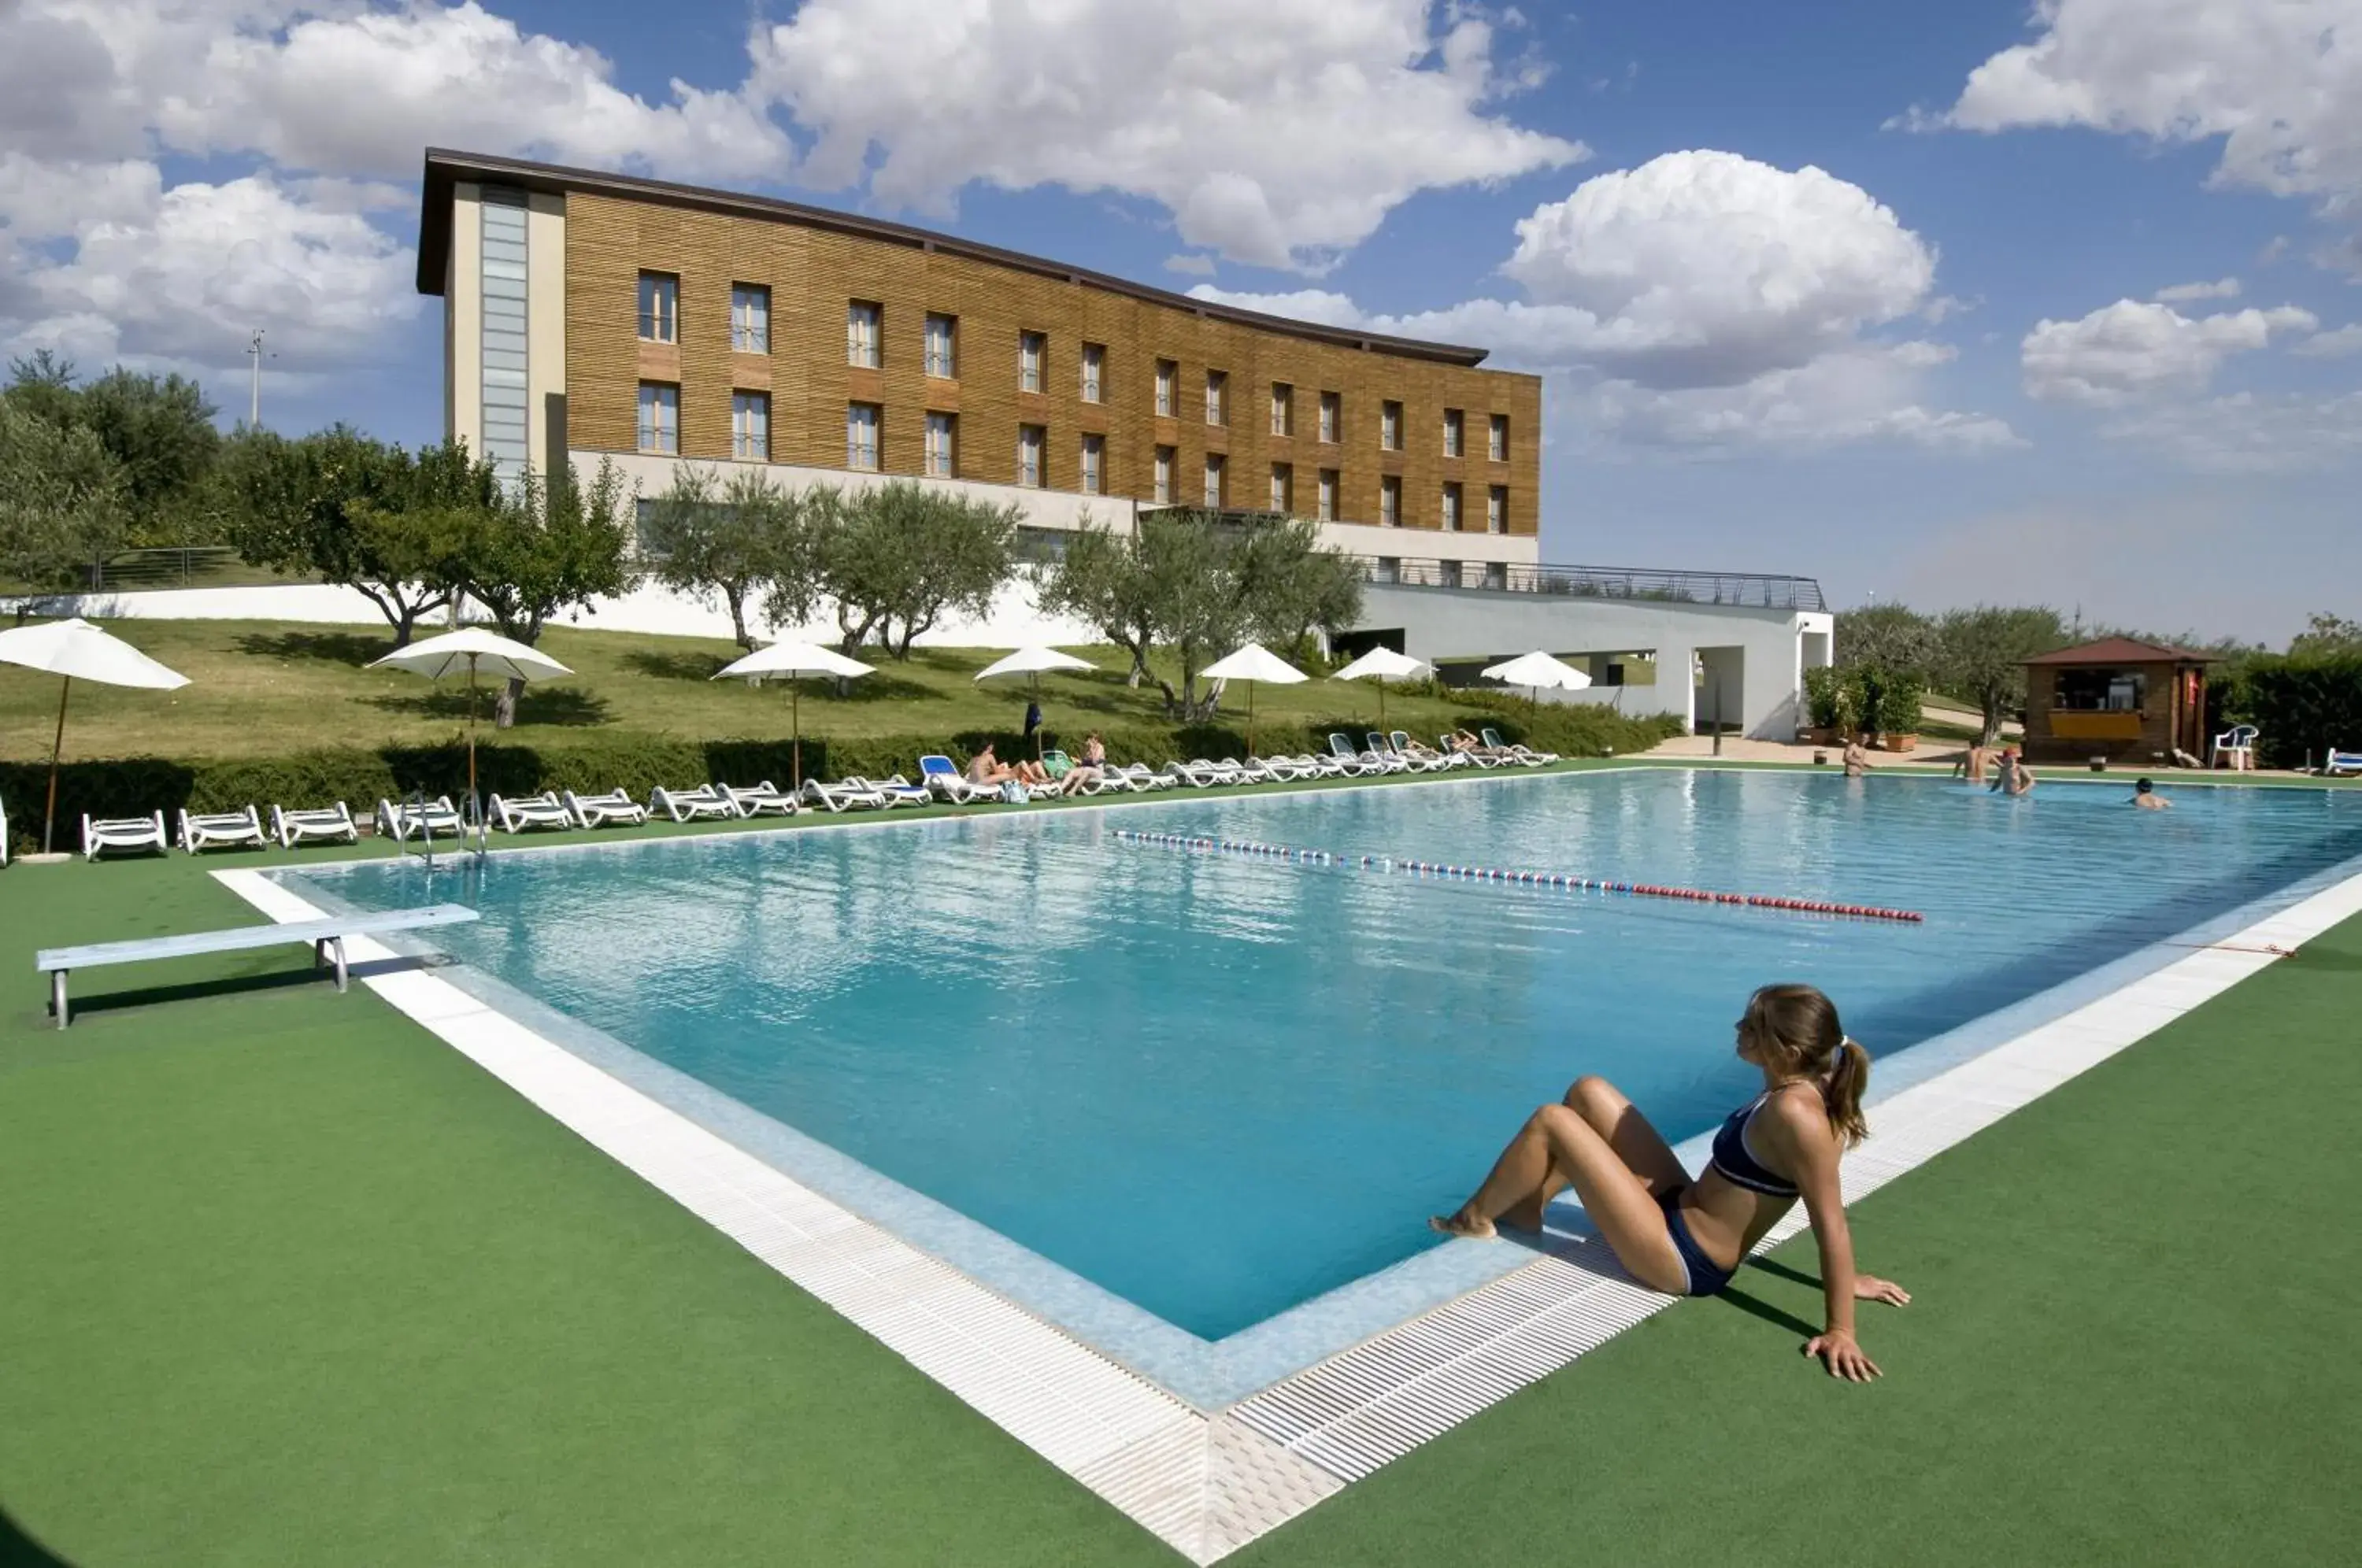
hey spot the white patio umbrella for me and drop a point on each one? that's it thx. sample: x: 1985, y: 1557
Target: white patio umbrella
x: 478, y: 652
x: 1536, y: 672
x: 1383, y: 665
x: 74, y: 649
x: 1252, y: 663
x: 793, y: 659
x: 1033, y: 661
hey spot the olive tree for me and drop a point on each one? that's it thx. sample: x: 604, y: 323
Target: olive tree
x: 548, y: 545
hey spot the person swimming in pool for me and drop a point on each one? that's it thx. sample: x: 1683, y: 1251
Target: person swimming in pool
x: 1687, y: 1238
x: 2014, y: 778
x: 2146, y: 799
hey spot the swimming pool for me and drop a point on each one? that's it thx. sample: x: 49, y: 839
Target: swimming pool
x: 1218, y: 1088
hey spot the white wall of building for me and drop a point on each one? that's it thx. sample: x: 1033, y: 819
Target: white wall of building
x: 1756, y: 657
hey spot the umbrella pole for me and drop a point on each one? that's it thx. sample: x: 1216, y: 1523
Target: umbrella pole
x: 473, y: 808
x: 796, y: 752
x: 1036, y: 702
x: 1382, y: 701
x: 1251, y: 686
x: 56, y: 748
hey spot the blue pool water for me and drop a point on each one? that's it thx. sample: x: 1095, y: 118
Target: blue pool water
x: 1219, y: 1086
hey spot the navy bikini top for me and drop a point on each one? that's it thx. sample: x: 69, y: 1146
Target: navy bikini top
x: 1737, y: 1163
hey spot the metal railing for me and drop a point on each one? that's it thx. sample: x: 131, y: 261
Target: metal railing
x: 1744, y: 589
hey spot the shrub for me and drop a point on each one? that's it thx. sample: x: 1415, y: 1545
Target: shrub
x: 1897, y: 705
x: 1833, y: 699
x: 2300, y: 704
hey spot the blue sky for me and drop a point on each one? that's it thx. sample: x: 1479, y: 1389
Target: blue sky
x: 1867, y: 292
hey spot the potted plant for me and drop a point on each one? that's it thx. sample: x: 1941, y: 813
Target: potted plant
x: 1830, y: 704
x: 1897, y: 713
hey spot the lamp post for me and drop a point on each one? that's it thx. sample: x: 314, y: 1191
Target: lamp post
x: 254, y: 401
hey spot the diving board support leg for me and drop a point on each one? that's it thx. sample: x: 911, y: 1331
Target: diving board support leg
x: 58, y: 995
x: 321, y: 950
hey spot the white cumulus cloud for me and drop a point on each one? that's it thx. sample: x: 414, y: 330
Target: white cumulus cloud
x: 1705, y: 299
x: 2134, y: 348
x: 1277, y: 132
x: 2334, y: 345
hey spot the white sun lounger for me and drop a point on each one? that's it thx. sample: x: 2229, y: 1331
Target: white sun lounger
x: 1524, y: 754
x: 944, y: 777
x: 1435, y: 761
x: 1402, y: 759
x: 1479, y: 758
x: 100, y: 833
x: 221, y: 830
x: 839, y: 796
x: 2336, y: 765
x: 331, y: 822
x: 688, y: 805
x: 1198, y: 774
x: 612, y: 810
x: 398, y: 822
x: 763, y: 800
x: 1141, y: 777
x: 542, y: 810
x: 895, y: 791
x: 1352, y: 760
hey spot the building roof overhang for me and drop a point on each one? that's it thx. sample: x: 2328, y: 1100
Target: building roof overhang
x: 446, y: 167
x: 2123, y: 650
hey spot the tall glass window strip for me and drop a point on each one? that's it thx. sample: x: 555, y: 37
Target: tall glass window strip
x: 750, y: 426
x: 1332, y: 415
x: 943, y: 432
x: 943, y: 332
x: 505, y: 345
x: 1451, y: 509
x: 861, y: 436
x: 750, y: 319
x: 1390, y: 427
x: 1032, y: 348
x: 1282, y: 409
x: 1214, y: 477
x: 1168, y: 375
x: 863, y: 329
x: 1282, y: 488
x: 1218, y: 386
x: 659, y: 307
x: 1162, y: 490
x: 1454, y: 429
x: 660, y: 418
x: 1094, y: 371
x: 1031, y: 440
x: 1390, y: 501
x: 1497, y: 438
x: 1496, y: 509
x: 1328, y: 497
x: 1094, y: 465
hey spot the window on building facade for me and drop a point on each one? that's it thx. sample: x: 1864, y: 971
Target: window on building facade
x: 942, y: 335
x: 1390, y: 501
x: 1328, y: 497
x: 865, y: 330
x: 1094, y: 371
x: 863, y: 435
x: 1168, y: 375
x: 1162, y: 491
x: 1332, y: 417
x: 1390, y: 427
x: 1218, y: 390
x: 1094, y: 465
x: 1215, y: 475
x: 1496, y: 440
x: 942, y: 438
x: 1455, y: 430
x: 1451, y: 509
x: 1496, y: 509
x: 1282, y: 409
x: 750, y: 426
x: 660, y: 418
x: 1031, y: 440
x: 1282, y: 488
x: 659, y: 307
x: 750, y: 318
x: 1032, y: 348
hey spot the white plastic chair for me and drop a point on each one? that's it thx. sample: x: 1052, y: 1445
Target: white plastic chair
x: 221, y: 830
x: 2239, y: 743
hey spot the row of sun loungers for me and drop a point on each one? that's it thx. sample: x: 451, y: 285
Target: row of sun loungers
x: 939, y: 779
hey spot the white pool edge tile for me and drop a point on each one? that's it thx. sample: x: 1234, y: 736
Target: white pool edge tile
x: 1208, y: 1485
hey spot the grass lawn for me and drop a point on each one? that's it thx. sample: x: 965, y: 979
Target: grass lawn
x: 287, y: 1281
x: 267, y: 688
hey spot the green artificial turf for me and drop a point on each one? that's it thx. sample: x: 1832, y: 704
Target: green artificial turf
x: 283, y: 1279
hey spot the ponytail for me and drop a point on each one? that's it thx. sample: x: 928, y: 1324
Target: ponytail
x: 1841, y: 1090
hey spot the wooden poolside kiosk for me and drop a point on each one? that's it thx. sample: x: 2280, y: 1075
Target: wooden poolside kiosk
x: 2127, y: 701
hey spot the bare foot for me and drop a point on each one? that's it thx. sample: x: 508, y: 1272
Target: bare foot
x: 1526, y: 1215
x: 1462, y: 1224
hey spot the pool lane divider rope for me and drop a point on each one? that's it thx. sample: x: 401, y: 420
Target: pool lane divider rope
x: 1549, y: 880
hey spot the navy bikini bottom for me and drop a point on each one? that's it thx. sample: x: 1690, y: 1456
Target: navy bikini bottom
x: 1705, y: 1276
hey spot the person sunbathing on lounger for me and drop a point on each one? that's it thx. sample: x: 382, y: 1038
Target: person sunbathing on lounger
x: 1462, y: 741
x: 985, y: 768
x: 1687, y: 1238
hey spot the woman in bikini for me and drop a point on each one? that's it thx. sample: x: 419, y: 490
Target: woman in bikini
x: 1687, y: 1238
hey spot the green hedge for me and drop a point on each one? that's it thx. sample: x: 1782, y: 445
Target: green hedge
x: 137, y: 786
x: 2299, y: 705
